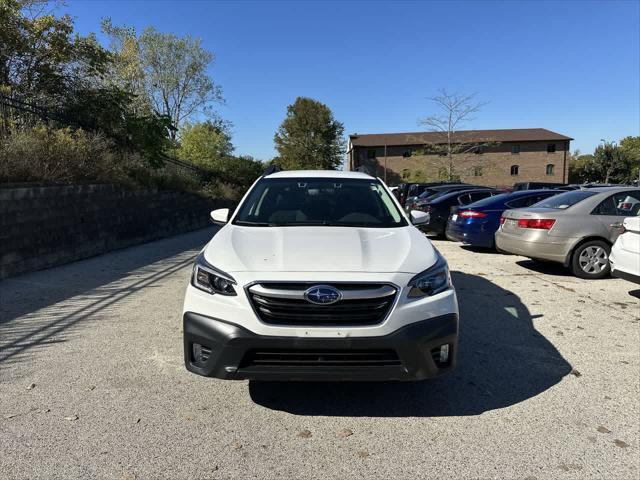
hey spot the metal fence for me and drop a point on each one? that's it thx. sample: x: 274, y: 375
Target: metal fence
x: 17, y: 112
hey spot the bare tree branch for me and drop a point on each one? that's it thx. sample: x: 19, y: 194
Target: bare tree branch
x: 456, y: 110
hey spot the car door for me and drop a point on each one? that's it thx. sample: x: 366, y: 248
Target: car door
x: 612, y: 211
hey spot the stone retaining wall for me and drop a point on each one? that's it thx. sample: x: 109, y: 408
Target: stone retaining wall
x: 44, y: 226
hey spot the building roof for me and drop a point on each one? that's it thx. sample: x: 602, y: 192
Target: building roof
x: 462, y: 136
x: 319, y: 174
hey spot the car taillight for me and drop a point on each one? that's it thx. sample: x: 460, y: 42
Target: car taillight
x: 502, y: 219
x: 541, y: 223
x: 473, y: 214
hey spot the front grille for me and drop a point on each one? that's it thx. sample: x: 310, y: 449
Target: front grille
x: 284, y: 304
x: 320, y: 358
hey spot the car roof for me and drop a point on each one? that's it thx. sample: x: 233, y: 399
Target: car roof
x: 319, y: 174
x: 536, y: 191
x: 611, y: 189
x: 462, y: 192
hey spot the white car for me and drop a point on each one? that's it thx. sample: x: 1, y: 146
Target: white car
x: 320, y: 275
x: 625, y: 253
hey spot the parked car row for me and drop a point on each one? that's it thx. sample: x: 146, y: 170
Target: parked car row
x: 594, y: 231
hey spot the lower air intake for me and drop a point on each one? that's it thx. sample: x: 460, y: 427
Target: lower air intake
x: 331, y: 358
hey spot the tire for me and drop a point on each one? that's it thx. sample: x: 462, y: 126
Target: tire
x: 590, y: 260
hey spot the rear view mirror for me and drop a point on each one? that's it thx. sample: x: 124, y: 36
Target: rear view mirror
x: 418, y: 217
x: 220, y: 216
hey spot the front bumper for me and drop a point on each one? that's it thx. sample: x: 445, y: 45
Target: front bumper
x: 411, y: 352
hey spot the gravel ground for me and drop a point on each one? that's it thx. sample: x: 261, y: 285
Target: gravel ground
x: 92, y: 383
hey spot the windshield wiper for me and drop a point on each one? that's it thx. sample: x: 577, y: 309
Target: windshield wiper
x: 252, y: 224
x: 301, y: 224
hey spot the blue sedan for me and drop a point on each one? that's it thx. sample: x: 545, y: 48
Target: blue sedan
x: 477, y: 223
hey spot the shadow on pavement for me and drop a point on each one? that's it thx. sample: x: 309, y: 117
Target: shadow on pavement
x: 547, y: 268
x: 474, y: 249
x: 45, y: 307
x: 502, y: 361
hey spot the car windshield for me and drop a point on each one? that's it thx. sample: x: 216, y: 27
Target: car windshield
x: 427, y: 193
x: 286, y: 202
x: 564, y: 200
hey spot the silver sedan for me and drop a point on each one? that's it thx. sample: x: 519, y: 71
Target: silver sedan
x: 575, y: 228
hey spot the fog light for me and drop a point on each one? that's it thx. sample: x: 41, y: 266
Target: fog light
x: 197, y: 352
x: 444, y: 353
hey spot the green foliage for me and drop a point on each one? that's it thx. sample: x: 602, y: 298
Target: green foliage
x: 61, y: 155
x: 242, y: 170
x: 205, y: 144
x: 208, y: 145
x: 110, y: 113
x: 583, y: 168
x: 167, y: 73
x: 309, y: 137
x: 610, y: 163
x: 41, y: 55
x: 630, y: 146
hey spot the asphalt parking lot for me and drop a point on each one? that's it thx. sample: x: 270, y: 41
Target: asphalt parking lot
x: 92, y: 383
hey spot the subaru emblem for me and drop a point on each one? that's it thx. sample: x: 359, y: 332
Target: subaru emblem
x: 322, y: 295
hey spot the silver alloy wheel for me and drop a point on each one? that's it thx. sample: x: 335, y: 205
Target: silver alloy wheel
x: 593, y: 260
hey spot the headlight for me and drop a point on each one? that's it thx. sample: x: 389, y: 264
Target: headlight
x: 211, y: 280
x: 432, y: 281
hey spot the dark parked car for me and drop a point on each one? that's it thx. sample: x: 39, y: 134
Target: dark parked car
x: 439, y: 208
x: 432, y: 192
x: 476, y: 224
x: 414, y: 190
x: 536, y: 185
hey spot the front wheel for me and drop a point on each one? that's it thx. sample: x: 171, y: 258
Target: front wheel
x: 591, y: 260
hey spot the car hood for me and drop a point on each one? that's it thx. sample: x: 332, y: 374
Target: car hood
x: 320, y: 249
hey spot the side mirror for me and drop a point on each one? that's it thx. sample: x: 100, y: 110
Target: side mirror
x: 418, y: 217
x: 220, y: 216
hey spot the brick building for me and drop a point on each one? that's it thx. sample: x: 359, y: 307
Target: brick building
x: 487, y: 157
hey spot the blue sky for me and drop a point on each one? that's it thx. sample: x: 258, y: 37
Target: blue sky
x: 572, y: 67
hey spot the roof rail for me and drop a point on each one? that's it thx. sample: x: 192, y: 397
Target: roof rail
x: 273, y: 168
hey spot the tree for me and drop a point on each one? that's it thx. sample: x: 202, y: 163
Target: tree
x: 630, y: 146
x: 611, y: 160
x: 205, y: 144
x: 455, y: 110
x: 583, y: 168
x: 242, y: 170
x: 168, y: 72
x: 610, y: 163
x: 126, y: 70
x: 40, y: 56
x: 309, y: 137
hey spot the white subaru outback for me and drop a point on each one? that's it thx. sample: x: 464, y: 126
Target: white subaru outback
x: 320, y: 275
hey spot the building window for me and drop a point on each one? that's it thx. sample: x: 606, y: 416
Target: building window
x: 371, y: 153
x: 514, y: 169
x: 477, y: 171
x: 551, y: 148
x: 407, y: 153
x: 550, y: 169
x: 515, y: 150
